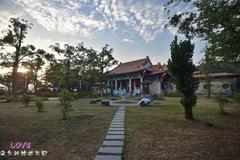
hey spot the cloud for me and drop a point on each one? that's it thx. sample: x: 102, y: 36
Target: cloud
x: 4, y: 19
x: 127, y: 40
x: 90, y: 17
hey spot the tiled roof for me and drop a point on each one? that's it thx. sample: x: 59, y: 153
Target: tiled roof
x: 129, y: 67
x: 157, y: 69
x: 217, y: 75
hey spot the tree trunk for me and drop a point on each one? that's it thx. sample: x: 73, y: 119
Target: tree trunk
x: 15, y: 67
x: 208, y: 87
x: 90, y: 90
x: 188, y: 113
x: 9, y: 90
x: 14, y: 80
x: 221, y: 109
x: 67, y: 76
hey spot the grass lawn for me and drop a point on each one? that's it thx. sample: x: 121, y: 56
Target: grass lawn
x: 161, y: 132
x: 76, y: 139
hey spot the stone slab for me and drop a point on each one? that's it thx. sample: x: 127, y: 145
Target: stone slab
x: 110, y: 150
x: 116, y: 125
x: 112, y: 143
x: 118, y: 116
x: 107, y: 157
x: 118, y: 121
x: 115, y: 132
x: 116, y: 129
x: 116, y: 137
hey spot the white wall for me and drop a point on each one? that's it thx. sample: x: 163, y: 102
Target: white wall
x: 155, y: 87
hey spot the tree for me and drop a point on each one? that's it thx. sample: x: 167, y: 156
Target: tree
x: 14, y: 37
x: 222, y: 101
x: 65, y: 99
x: 182, y: 68
x: 216, y: 21
x: 35, y: 65
x: 69, y: 53
x: 86, y: 64
x: 104, y: 61
x: 209, y: 61
x: 5, y: 80
x: 54, y: 74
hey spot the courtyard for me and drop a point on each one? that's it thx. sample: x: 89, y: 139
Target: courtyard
x: 155, y: 132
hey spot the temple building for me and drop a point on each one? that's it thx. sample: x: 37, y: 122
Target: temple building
x: 139, y: 77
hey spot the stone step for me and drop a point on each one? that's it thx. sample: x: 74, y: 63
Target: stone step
x: 110, y: 150
x: 114, y: 137
x: 112, y: 143
x: 118, y: 118
x: 108, y: 157
x: 116, y: 132
x: 116, y: 129
x: 117, y: 123
x: 116, y: 126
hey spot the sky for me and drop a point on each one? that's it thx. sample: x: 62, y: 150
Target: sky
x: 133, y: 28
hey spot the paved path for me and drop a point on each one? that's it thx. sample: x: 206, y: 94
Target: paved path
x: 112, y: 146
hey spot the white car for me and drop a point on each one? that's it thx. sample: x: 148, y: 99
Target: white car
x: 144, y: 102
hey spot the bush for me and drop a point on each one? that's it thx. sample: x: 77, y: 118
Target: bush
x: 222, y: 101
x: 8, y: 99
x: 65, y: 98
x: 45, y: 98
x: 26, y: 100
x: 157, y: 97
x: 236, y: 97
x: 83, y: 94
x: 40, y: 105
x: 94, y: 95
x: 173, y: 94
x: 75, y: 95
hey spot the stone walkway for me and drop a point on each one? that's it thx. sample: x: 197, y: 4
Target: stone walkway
x: 112, y: 146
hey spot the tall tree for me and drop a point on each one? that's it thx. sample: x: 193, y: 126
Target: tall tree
x: 87, y: 65
x: 54, y: 75
x: 216, y: 21
x: 182, y: 68
x: 69, y: 53
x: 208, y: 61
x: 104, y: 61
x: 35, y: 65
x: 14, y: 37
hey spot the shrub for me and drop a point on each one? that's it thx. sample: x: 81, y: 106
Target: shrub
x: 65, y: 98
x: 94, y: 95
x: 45, y: 98
x: 26, y: 100
x: 39, y: 104
x: 225, y: 86
x: 8, y: 99
x: 157, y: 97
x: 75, y: 95
x: 236, y: 97
x: 222, y: 101
x: 83, y: 94
x: 173, y: 94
